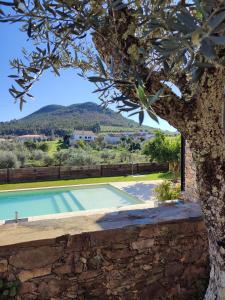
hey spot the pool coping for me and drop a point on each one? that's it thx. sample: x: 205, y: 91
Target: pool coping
x: 57, y: 216
x: 80, y: 184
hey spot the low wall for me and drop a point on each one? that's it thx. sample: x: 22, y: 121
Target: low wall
x: 64, y: 172
x: 156, y: 254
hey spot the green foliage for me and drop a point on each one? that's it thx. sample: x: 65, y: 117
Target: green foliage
x: 8, y: 160
x: 167, y: 191
x: 37, y: 155
x: 107, y: 156
x: 163, y: 149
x: 61, y: 156
x: 30, y: 145
x: 43, y: 147
x: 80, y: 158
x: 8, y: 289
x: 48, y: 160
x: 80, y: 144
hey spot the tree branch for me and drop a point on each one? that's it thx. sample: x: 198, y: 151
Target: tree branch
x: 175, y: 110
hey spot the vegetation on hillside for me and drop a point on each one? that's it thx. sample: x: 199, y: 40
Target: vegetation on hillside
x: 61, y: 120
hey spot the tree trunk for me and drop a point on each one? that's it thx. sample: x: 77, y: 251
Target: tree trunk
x: 211, y: 187
x: 216, y: 287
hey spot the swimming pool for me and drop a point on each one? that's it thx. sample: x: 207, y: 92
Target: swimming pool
x: 38, y: 202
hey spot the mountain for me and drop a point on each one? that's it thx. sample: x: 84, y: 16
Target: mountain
x: 64, y: 119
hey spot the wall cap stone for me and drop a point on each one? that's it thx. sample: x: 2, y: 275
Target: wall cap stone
x: 48, y: 231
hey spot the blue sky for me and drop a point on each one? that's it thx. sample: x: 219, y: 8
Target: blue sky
x: 67, y: 89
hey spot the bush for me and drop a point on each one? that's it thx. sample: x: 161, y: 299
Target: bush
x: 30, y: 145
x: 61, y: 156
x: 107, y: 156
x: 8, y: 160
x: 167, y: 191
x: 80, y: 158
x: 125, y: 156
x: 43, y: 147
x: 48, y: 160
x: 38, y: 155
x: 22, y: 157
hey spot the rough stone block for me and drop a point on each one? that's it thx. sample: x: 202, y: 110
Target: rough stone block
x: 27, y: 275
x: 36, y: 257
x: 3, y: 265
x: 142, y: 244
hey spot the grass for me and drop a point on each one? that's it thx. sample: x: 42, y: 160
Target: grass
x: 27, y: 185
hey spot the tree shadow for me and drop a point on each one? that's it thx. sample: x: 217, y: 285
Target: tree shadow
x: 141, y: 190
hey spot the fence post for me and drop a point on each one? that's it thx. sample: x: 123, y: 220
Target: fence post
x: 101, y: 171
x: 7, y: 178
x: 59, y: 172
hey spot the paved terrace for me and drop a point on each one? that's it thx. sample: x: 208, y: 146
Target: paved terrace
x: 143, y: 190
x: 50, y: 229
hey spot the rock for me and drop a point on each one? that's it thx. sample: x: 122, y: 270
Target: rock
x: 27, y: 275
x: 3, y: 265
x: 175, y: 269
x: 79, y: 266
x: 55, y: 287
x: 64, y: 269
x: 142, y: 244
x: 35, y: 258
x: 27, y: 287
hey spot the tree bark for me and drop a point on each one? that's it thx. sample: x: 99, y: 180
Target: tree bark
x: 209, y: 156
x: 211, y: 186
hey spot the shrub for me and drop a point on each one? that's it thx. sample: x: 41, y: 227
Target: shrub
x: 22, y: 157
x: 125, y: 156
x: 44, y: 147
x: 30, y: 145
x: 38, y: 155
x: 8, y: 160
x: 61, y: 156
x: 48, y: 160
x: 107, y: 156
x: 167, y: 191
x: 80, y: 158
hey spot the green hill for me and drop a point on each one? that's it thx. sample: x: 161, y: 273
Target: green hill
x: 64, y: 119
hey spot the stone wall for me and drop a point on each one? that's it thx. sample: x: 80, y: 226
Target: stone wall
x: 150, y: 259
x: 191, y: 192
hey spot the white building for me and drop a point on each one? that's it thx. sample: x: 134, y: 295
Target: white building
x: 146, y: 135
x: 82, y: 135
x: 112, y: 138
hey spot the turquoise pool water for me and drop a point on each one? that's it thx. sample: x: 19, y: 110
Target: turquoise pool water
x: 60, y: 200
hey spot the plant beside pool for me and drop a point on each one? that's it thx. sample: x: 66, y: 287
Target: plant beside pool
x: 168, y: 190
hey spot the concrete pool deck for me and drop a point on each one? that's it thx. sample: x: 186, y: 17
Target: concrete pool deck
x: 50, y: 229
x: 143, y: 190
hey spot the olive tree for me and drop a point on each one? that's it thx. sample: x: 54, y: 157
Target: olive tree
x: 163, y: 57
x: 164, y: 149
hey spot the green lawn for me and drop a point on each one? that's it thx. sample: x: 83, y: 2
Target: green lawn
x: 153, y: 176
